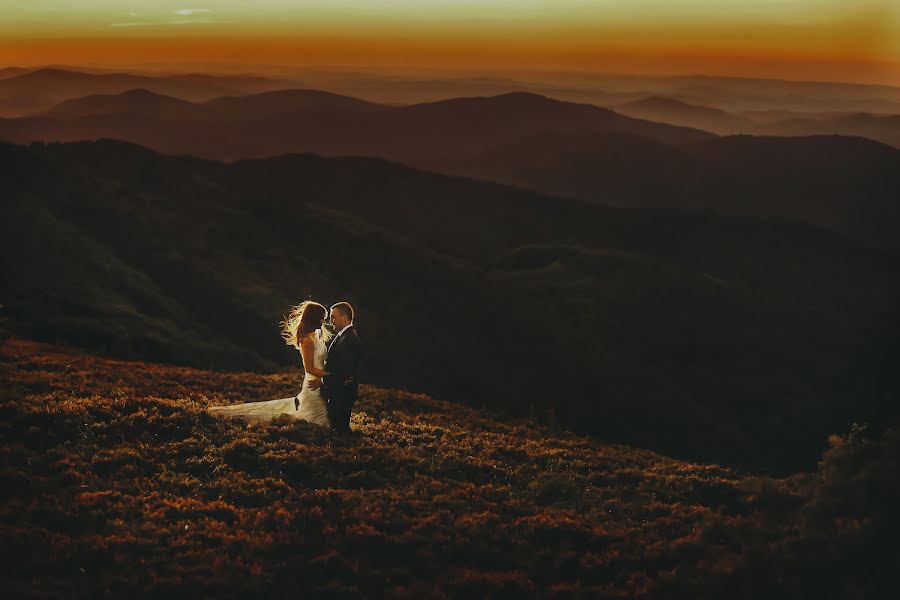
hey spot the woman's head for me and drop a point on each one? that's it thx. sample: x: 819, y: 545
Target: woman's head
x: 304, y: 319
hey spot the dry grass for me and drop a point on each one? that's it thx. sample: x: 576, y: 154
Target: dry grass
x: 116, y: 482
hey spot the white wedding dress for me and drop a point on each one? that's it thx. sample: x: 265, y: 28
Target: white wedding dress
x: 313, y: 406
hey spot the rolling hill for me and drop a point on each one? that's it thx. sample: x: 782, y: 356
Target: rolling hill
x: 115, y: 478
x: 879, y: 127
x: 848, y: 185
x: 137, y: 101
x: 578, y: 150
x: 7, y: 72
x: 272, y: 123
x: 146, y: 103
x: 746, y: 340
x: 37, y: 90
x: 676, y: 112
x: 882, y: 128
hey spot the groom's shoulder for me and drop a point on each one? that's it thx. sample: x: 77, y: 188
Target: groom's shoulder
x: 348, y: 334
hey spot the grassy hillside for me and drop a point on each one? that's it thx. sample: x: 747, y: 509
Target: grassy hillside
x: 115, y: 481
x: 736, y: 340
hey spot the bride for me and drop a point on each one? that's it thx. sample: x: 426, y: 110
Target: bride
x: 304, y: 330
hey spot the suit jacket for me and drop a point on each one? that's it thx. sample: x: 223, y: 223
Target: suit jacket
x: 342, y: 362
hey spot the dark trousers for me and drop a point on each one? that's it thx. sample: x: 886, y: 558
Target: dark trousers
x: 339, y: 409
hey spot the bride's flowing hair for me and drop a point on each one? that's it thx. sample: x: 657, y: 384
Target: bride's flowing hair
x: 303, y: 318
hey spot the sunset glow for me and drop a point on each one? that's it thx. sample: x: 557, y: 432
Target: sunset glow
x: 805, y: 39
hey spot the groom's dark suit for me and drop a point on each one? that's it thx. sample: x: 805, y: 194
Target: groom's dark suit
x: 341, y: 362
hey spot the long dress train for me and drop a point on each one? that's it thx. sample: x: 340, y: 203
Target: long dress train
x: 312, y: 407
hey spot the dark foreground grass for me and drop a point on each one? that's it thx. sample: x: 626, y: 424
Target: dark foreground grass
x: 117, y: 483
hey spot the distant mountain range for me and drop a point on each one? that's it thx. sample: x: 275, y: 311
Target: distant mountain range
x: 738, y: 96
x: 268, y: 104
x: 746, y: 340
x: 669, y: 110
x: 881, y: 128
x: 7, y: 72
x: 24, y: 91
x: 312, y: 120
x: 579, y: 150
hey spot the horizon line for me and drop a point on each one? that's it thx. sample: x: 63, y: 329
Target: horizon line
x: 245, y: 69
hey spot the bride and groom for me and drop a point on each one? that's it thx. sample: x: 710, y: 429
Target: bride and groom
x: 330, y: 361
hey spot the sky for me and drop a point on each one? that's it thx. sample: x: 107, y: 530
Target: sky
x: 836, y: 40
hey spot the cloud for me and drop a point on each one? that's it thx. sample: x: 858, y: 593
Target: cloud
x: 186, y: 12
x: 164, y: 23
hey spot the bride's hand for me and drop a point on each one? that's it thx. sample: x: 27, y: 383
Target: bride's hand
x: 315, y: 383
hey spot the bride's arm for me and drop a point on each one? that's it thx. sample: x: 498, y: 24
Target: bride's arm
x: 307, y: 350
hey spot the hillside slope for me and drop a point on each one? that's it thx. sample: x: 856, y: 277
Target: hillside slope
x: 116, y: 480
x: 847, y: 185
x: 689, y: 333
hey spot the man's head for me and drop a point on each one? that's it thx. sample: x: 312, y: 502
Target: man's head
x: 341, y: 315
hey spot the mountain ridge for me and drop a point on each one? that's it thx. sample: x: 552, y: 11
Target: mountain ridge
x: 493, y: 138
x: 38, y: 90
x: 663, y: 109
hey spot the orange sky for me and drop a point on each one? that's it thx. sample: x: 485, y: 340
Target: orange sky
x: 852, y: 40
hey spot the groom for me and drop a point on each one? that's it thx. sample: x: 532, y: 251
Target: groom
x: 340, y: 387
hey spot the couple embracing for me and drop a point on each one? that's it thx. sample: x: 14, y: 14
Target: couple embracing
x: 330, y: 361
